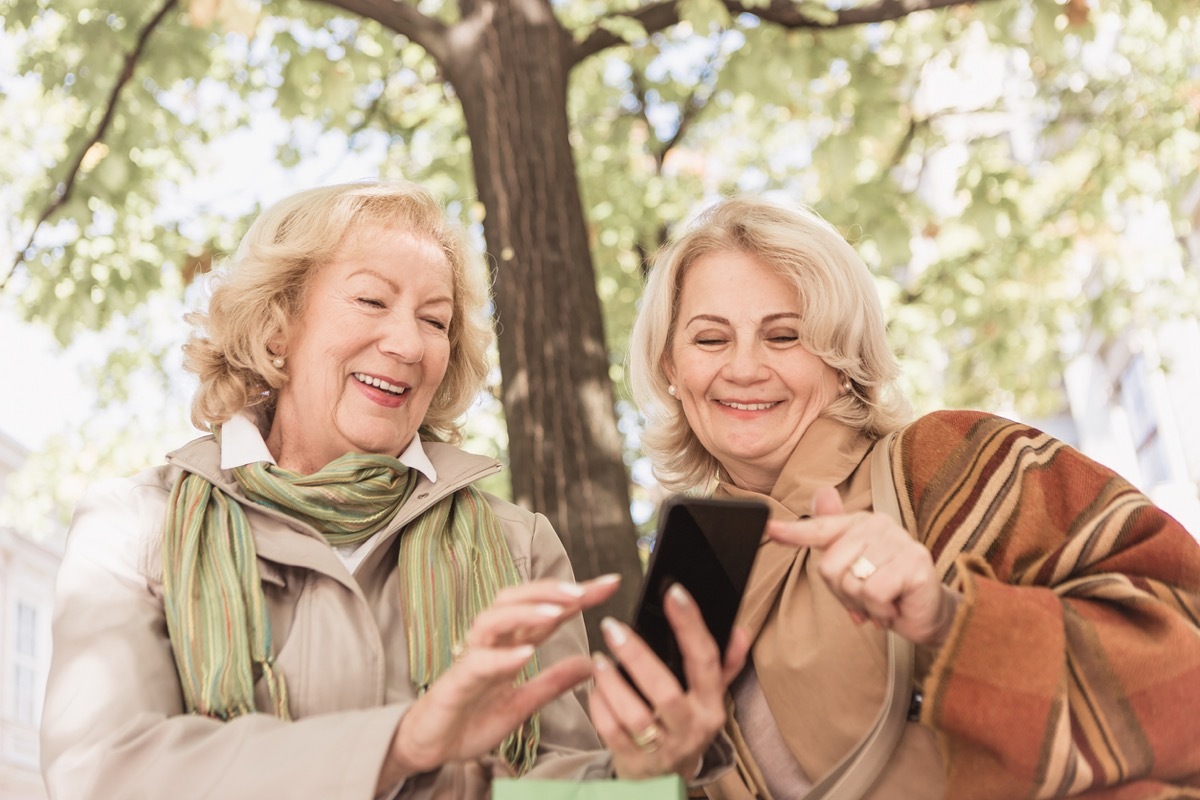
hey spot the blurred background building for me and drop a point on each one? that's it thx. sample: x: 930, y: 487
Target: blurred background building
x: 27, y: 569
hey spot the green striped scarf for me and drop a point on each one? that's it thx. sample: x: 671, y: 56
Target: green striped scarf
x: 453, y: 561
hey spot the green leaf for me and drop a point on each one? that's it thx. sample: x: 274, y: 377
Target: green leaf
x: 627, y: 29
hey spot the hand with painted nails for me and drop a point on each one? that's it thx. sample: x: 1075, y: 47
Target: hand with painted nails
x: 875, y: 568
x: 476, y: 703
x: 663, y: 729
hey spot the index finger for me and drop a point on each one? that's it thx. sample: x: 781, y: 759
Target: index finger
x: 701, y: 661
x: 574, y: 596
x: 818, y: 532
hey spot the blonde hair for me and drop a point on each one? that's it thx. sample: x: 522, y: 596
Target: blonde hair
x: 260, y: 292
x: 842, y: 324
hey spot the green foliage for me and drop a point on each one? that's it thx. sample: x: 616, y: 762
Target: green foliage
x: 990, y: 161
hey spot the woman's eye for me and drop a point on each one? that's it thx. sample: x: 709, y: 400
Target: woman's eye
x: 709, y: 341
x: 370, y: 301
x: 784, y: 338
x: 438, y: 324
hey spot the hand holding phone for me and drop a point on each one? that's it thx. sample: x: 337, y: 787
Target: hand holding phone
x: 707, y: 545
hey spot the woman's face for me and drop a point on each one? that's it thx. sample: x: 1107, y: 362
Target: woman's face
x: 749, y: 389
x: 368, y: 352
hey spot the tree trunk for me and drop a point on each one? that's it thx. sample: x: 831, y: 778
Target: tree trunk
x: 510, y: 73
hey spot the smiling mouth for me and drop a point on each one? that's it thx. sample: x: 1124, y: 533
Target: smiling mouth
x: 748, y: 406
x: 362, y: 377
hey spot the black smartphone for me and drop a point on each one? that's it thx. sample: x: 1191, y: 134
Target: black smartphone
x: 708, y: 546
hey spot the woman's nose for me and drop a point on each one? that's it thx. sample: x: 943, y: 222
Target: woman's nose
x: 746, y: 364
x: 401, y: 338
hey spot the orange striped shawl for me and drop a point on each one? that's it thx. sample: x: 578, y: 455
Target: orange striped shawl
x: 1074, y: 666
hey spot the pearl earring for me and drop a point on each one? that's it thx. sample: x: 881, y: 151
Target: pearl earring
x: 278, y: 362
x: 671, y: 390
x: 846, y: 385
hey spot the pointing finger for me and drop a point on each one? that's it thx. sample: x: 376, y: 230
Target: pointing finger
x: 819, y: 532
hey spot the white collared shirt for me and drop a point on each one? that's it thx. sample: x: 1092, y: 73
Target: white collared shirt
x: 242, y: 443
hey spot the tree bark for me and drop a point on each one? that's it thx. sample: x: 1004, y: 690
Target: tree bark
x: 508, y: 62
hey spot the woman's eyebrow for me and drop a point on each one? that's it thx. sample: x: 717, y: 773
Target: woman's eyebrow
x: 378, y: 275
x: 722, y: 321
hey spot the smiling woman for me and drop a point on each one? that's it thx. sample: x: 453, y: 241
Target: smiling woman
x: 369, y: 350
x: 316, y: 600
x: 1035, y: 616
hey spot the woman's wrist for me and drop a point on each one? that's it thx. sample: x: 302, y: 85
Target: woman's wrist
x: 398, y: 765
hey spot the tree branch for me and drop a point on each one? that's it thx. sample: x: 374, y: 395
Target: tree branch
x: 656, y: 17
x: 402, y: 18
x: 63, y: 190
x: 706, y: 87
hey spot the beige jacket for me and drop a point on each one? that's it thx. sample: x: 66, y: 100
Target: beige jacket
x: 114, y: 726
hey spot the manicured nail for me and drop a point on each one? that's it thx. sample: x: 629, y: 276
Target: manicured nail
x: 679, y: 595
x: 607, y: 578
x: 571, y: 589
x: 525, y: 651
x: 547, y: 610
x: 614, y: 631
x: 600, y: 663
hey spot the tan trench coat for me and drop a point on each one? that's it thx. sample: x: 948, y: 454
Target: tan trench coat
x: 114, y: 725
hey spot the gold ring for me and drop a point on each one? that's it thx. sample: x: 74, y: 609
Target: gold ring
x: 862, y: 568
x: 647, y: 738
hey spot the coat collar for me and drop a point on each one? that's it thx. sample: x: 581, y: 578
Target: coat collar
x: 453, y: 468
x: 826, y: 455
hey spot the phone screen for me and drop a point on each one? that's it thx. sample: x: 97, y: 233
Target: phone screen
x: 708, y: 545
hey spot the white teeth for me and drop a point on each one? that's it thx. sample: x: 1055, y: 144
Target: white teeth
x: 747, y: 406
x: 378, y: 384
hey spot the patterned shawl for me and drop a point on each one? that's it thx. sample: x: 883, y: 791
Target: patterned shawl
x: 1074, y: 663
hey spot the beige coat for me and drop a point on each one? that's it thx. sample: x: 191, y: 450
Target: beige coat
x: 114, y: 726
x: 823, y: 677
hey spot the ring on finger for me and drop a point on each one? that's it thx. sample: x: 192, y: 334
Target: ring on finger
x: 647, y: 738
x: 863, y: 568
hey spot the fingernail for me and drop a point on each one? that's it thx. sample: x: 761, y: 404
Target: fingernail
x: 679, y: 594
x: 607, y: 578
x: 600, y: 663
x: 614, y: 631
x: 571, y: 589
x: 548, y: 610
x: 525, y: 651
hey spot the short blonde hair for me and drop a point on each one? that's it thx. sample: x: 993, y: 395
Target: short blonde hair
x: 260, y: 292
x: 842, y: 324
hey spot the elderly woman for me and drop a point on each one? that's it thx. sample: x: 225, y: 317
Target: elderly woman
x: 323, y: 558
x: 958, y: 606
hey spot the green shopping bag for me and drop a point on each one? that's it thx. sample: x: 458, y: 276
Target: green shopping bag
x: 667, y: 787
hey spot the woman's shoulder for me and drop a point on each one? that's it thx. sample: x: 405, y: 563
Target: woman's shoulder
x: 532, y: 540
x: 942, y: 444
x: 956, y: 419
x: 119, y: 520
x: 959, y: 428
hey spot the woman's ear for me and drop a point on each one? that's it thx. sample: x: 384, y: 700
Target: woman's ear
x: 276, y: 344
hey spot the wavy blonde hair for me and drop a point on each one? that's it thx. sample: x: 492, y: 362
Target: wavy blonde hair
x: 260, y: 292
x: 842, y: 324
